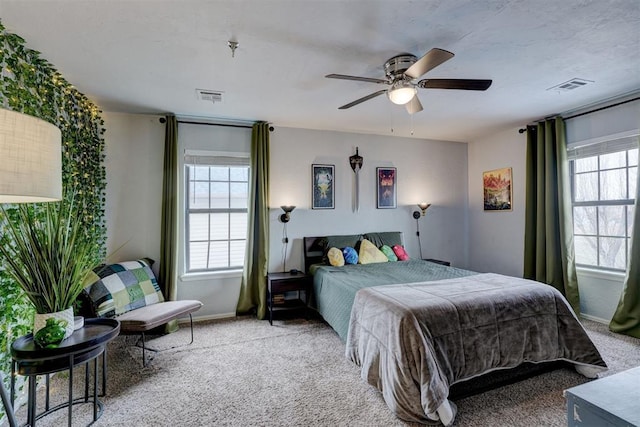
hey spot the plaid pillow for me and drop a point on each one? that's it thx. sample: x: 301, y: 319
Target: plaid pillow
x: 122, y: 287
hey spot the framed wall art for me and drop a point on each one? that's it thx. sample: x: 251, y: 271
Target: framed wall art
x: 386, y: 185
x: 497, y: 188
x: 323, y: 186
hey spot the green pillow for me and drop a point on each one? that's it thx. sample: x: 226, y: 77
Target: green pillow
x: 123, y: 287
x: 391, y: 256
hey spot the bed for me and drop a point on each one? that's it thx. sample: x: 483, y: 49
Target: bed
x: 418, y: 329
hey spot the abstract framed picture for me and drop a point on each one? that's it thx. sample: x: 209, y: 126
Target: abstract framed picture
x: 386, y: 186
x: 497, y: 189
x: 323, y: 185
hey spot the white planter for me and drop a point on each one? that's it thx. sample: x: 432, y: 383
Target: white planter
x: 40, y: 320
x: 78, y: 322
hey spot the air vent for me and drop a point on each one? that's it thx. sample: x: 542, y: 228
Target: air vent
x: 570, y: 85
x: 212, y: 96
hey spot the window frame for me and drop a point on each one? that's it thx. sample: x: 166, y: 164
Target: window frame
x: 212, y: 161
x: 629, y: 201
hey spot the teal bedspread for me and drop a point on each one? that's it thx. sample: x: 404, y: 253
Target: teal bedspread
x: 335, y: 287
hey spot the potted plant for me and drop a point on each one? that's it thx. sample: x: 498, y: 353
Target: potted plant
x: 46, y: 252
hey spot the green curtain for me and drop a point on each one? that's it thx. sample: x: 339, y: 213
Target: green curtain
x: 549, y: 255
x: 253, y: 290
x: 167, y: 274
x: 626, y: 319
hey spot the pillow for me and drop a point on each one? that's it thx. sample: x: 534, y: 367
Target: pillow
x: 391, y: 256
x: 388, y: 238
x: 370, y: 254
x: 122, y: 287
x: 350, y: 255
x: 400, y: 253
x: 337, y: 241
x: 335, y: 257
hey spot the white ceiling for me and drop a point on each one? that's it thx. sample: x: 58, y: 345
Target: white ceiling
x: 149, y: 56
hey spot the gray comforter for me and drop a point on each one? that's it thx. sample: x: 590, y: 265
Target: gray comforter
x: 413, y: 341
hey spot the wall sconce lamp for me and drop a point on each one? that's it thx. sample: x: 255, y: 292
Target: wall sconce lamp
x: 286, y: 216
x: 416, y: 215
x: 423, y: 207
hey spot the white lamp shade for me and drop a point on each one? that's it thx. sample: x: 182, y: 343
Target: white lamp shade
x: 401, y: 92
x: 402, y: 95
x: 30, y: 159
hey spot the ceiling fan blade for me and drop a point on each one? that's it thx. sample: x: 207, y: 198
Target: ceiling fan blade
x: 413, y: 106
x: 361, y: 100
x: 428, y: 62
x: 356, y: 78
x: 463, y: 84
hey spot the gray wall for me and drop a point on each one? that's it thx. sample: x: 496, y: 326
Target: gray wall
x: 446, y: 174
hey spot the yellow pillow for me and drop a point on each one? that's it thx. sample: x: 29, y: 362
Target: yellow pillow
x: 369, y: 254
x: 335, y: 257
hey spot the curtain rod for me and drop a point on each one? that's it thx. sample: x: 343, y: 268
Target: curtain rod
x: 523, y: 130
x: 163, y: 120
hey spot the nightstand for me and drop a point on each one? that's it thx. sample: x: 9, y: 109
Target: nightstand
x: 279, y: 283
x: 437, y: 261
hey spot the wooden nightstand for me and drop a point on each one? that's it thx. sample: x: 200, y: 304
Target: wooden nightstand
x: 279, y: 283
x: 437, y: 261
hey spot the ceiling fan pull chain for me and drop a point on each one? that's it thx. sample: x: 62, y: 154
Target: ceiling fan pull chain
x: 391, y: 116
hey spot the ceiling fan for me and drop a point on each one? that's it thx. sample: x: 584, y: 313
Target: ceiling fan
x: 402, y: 70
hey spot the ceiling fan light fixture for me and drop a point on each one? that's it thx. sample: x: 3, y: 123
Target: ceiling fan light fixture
x: 401, y: 92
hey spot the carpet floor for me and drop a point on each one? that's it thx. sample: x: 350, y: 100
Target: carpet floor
x: 244, y: 372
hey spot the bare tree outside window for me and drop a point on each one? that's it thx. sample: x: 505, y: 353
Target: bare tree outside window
x: 603, y: 194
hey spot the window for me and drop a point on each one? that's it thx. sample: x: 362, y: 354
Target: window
x: 216, y: 212
x: 603, y: 189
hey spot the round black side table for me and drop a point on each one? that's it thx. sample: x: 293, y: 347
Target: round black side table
x: 84, y: 345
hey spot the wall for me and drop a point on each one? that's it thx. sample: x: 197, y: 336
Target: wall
x: 430, y: 171
x: 433, y: 171
x: 134, y: 158
x: 496, y: 239
x: 218, y: 291
x: 600, y: 291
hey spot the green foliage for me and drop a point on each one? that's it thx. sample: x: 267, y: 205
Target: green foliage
x: 48, y: 254
x: 31, y: 85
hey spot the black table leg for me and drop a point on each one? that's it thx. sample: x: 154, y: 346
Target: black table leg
x: 86, y: 382
x: 7, y: 405
x: 104, y: 371
x: 13, y: 383
x: 70, y: 389
x: 95, y: 389
x: 46, y: 398
x: 31, y: 405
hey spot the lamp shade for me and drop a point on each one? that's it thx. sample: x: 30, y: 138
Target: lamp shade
x: 286, y: 216
x: 401, y: 92
x: 30, y: 159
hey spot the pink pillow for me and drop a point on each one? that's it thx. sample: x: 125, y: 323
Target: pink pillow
x: 400, y: 253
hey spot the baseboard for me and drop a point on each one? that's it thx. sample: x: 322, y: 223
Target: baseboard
x: 595, y: 319
x: 185, y: 320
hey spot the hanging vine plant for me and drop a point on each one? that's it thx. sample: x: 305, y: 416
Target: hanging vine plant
x: 29, y: 84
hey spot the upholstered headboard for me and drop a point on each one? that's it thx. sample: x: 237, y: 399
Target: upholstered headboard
x: 315, y: 247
